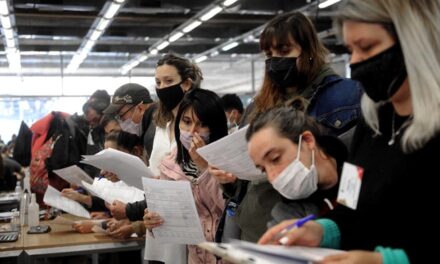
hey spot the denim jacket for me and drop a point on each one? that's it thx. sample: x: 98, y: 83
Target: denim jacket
x: 335, y: 103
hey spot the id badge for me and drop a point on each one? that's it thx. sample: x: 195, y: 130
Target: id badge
x: 350, y: 185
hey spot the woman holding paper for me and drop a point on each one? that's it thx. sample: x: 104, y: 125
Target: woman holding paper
x: 300, y: 160
x: 201, y: 120
x: 395, y: 54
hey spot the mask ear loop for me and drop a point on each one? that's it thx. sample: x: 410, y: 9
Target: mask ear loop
x: 299, y: 147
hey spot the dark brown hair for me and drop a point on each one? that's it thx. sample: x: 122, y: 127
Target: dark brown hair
x: 280, y: 31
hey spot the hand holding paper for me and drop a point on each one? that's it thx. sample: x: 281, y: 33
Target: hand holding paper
x: 53, y: 198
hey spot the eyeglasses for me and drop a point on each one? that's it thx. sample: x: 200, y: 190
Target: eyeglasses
x: 119, y: 116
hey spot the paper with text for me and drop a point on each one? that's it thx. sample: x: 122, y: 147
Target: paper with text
x: 299, y: 253
x: 53, y: 198
x: 174, y: 202
x: 111, y: 191
x: 129, y: 168
x: 74, y: 175
x: 231, y: 155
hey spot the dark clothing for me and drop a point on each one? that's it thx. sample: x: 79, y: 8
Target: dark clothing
x: 398, y: 191
x: 22, y: 147
x: 148, y: 129
x: 335, y: 103
x: 9, y: 180
x: 135, y: 211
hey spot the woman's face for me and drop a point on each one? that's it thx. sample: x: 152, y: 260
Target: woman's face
x: 189, y: 122
x: 272, y: 153
x: 278, y: 50
x: 167, y: 75
x: 365, y: 40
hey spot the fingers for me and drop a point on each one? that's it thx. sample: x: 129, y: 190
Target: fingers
x: 152, y: 220
x: 333, y: 259
x: 271, y: 235
x: 222, y: 176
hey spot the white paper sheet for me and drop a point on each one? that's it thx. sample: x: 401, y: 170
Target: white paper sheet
x: 230, y: 154
x: 174, y: 202
x: 313, y: 254
x: 129, y: 168
x: 74, y: 175
x: 53, y: 198
x: 110, y: 191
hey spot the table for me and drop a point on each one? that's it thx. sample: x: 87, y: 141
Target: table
x: 62, y: 240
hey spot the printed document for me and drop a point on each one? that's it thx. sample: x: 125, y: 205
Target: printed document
x: 74, y: 175
x: 174, y: 202
x: 53, y: 198
x: 129, y: 168
x: 231, y: 155
x: 110, y: 191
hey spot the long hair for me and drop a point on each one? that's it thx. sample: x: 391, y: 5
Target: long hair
x: 279, y: 30
x: 208, y: 108
x: 417, y: 25
x: 186, y: 70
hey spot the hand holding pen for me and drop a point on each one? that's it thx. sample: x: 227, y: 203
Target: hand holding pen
x: 289, y: 232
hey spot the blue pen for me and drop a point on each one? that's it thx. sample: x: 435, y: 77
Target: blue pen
x: 282, y: 238
x: 100, y: 177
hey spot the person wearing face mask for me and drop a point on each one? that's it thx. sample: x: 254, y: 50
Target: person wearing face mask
x: 300, y: 160
x: 295, y: 66
x: 133, y: 109
x: 233, y: 110
x: 394, y: 53
x: 200, y: 120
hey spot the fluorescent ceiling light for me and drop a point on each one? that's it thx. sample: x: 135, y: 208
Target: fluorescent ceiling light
x: 176, y: 36
x: 200, y: 59
x: 230, y: 46
x: 192, y: 26
x: 95, y: 35
x: 146, y: 38
x: 6, y: 21
x: 89, y: 45
x: 4, y: 9
x: 154, y: 51
x: 214, y: 53
x: 328, y: 3
x: 10, y: 42
x: 229, y: 2
x: 163, y: 45
x: 8, y: 33
x: 211, y: 13
x: 102, y: 24
x: 120, y: 1
x: 112, y: 10
x: 142, y: 58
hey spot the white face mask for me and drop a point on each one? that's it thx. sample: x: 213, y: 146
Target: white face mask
x: 129, y: 126
x: 296, y: 181
x: 232, y: 126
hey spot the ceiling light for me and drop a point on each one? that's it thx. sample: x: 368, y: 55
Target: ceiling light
x: 211, y: 13
x: 8, y: 33
x: 229, y: 2
x: 4, y: 9
x: 200, y: 59
x: 214, y: 53
x: 95, y: 34
x: 89, y: 45
x: 230, y: 46
x: 154, y: 51
x: 10, y: 42
x: 328, y: 3
x: 6, y: 21
x: 163, y: 45
x: 142, y: 58
x: 146, y: 38
x: 192, y: 26
x: 102, y: 24
x: 176, y: 36
x: 112, y: 10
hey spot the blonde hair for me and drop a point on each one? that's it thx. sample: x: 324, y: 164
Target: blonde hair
x: 417, y: 24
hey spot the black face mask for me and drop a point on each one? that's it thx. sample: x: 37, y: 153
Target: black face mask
x: 282, y: 71
x: 381, y: 75
x: 170, y: 96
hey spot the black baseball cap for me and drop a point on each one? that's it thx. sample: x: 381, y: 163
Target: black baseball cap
x: 130, y: 93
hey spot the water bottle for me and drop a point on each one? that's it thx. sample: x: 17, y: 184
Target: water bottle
x: 18, y: 189
x: 24, y: 203
x: 26, y: 180
x: 33, y: 212
x: 15, y: 221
